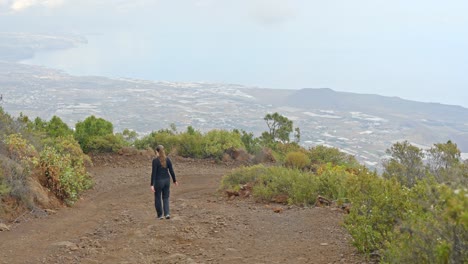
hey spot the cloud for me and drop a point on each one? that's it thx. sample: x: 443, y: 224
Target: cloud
x: 272, y: 12
x: 19, y: 5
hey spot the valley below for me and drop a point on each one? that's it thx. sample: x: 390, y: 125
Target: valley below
x: 360, y: 125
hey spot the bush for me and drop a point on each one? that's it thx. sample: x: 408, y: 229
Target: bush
x: 217, y: 142
x: 251, y: 144
x: 277, y: 181
x: 427, y: 223
x: 332, y: 182
x: 378, y: 205
x: 4, y: 188
x: 65, y: 176
x: 191, y: 145
x: 280, y: 150
x: 297, y: 160
x: 104, y: 144
x: 304, y: 189
x: 16, y: 181
x: 242, y: 176
x: 435, y: 229
x: 322, y: 155
x: 18, y: 148
x: 129, y: 136
x: 167, y: 138
x: 62, y: 166
x: 7, y: 124
x: 16, y: 168
x: 272, y: 182
x: 96, y: 135
x: 21, y: 162
x: 57, y: 128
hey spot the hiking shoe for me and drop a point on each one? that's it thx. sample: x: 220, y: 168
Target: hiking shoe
x: 161, y: 218
x: 168, y: 217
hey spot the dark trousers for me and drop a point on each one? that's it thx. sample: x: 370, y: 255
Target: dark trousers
x: 162, y: 190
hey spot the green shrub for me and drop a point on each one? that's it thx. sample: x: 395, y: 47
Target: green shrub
x: 20, y: 159
x: 242, y: 176
x: 96, y: 135
x: 16, y: 168
x: 16, y: 180
x: 167, y: 138
x: 271, y: 182
x: 377, y: 206
x: 297, y: 160
x: 4, y: 188
x: 65, y: 176
x: 435, y: 229
x: 57, y: 128
x: 332, y: 182
x: 7, y: 124
x: 277, y: 181
x: 322, y: 155
x: 18, y: 148
x: 144, y: 142
x: 191, y: 145
x: 104, y: 144
x: 280, y: 150
x: 304, y: 189
x: 217, y: 142
x: 252, y: 144
x: 129, y: 136
x: 427, y: 223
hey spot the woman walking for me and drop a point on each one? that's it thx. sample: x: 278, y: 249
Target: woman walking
x: 161, y: 173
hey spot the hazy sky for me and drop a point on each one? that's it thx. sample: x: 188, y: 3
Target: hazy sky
x: 414, y: 49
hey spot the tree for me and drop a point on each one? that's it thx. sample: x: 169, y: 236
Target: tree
x: 39, y: 124
x: 280, y: 127
x: 445, y: 163
x: 443, y: 156
x: 57, y: 128
x: 129, y: 135
x: 322, y: 154
x: 191, y: 130
x: 251, y: 143
x: 173, y: 128
x: 217, y: 142
x: 93, y: 130
x: 405, y: 164
x: 297, y: 135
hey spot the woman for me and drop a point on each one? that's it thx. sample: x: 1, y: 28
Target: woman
x: 160, y: 182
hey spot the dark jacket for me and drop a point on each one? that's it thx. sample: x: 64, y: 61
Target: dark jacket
x: 160, y: 173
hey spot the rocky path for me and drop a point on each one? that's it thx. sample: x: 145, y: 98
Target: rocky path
x: 115, y: 223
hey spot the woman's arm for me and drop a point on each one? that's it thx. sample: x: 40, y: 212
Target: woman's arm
x: 153, y: 172
x: 171, y: 170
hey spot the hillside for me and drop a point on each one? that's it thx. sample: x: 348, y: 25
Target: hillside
x: 443, y: 120
x: 361, y: 125
x: 115, y: 223
x: 20, y: 46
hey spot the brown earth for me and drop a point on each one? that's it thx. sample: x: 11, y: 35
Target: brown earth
x: 115, y: 223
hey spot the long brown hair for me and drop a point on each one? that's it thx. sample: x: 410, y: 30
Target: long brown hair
x: 162, y: 155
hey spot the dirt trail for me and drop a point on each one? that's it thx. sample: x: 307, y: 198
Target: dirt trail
x: 115, y: 223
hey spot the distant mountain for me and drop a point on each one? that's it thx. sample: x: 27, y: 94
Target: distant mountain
x: 20, y: 46
x: 418, y: 116
x: 359, y: 124
x: 325, y: 98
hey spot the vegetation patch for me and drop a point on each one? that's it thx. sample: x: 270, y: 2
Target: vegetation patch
x: 421, y: 216
x: 416, y: 210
